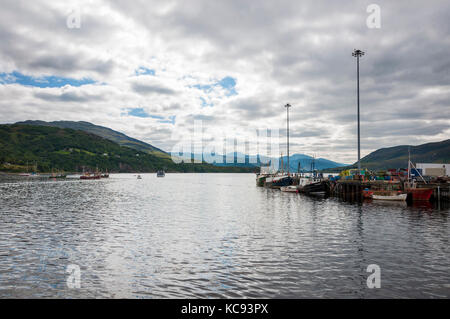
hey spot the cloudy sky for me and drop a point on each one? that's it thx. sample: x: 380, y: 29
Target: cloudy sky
x: 151, y: 68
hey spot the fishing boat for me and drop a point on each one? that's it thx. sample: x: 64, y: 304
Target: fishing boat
x: 419, y: 194
x: 160, y: 173
x: 306, y: 180
x: 264, y: 172
x: 33, y: 174
x: 260, y: 180
x: 90, y: 176
x: 282, y: 180
x: 316, y: 188
x: 415, y: 193
x: 278, y: 181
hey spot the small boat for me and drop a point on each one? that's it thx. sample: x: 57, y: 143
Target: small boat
x: 160, y: 173
x: 289, y: 189
x: 389, y: 196
x: 104, y: 175
x: 90, y: 176
x: 139, y: 177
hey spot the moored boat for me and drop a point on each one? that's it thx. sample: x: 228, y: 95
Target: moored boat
x: 315, y: 188
x: 415, y: 193
x: 278, y: 181
x: 90, y: 176
x: 160, y: 173
x: 419, y: 194
x: 260, y: 180
x: 383, y: 195
x: 261, y: 177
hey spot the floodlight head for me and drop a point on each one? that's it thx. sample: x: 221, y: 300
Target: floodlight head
x: 358, y: 53
x: 287, y: 105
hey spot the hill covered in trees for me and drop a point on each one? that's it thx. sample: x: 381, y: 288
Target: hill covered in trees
x: 104, y: 132
x: 53, y: 148
x: 397, y: 156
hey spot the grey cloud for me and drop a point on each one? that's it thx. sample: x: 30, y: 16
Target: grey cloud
x: 145, y: 89
x: 300, y: 52
x: 67, y: 97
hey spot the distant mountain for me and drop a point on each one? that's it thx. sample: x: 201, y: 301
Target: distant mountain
x: 104, y: 132
x: 397, y: 156
x: 305, y: 161
x: 53, y: 148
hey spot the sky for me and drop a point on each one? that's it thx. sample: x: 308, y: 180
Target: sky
x: 151, y: 69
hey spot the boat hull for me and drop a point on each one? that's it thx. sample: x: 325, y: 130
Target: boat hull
x: 260, y: 180
x: 420, y: 194
x: 399, y: 197
x: 278, y: 182
x: 314, y: 188
x: 367, y: 194
x: 90, y: 177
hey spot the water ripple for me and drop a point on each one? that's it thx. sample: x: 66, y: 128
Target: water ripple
x: 212, y: 236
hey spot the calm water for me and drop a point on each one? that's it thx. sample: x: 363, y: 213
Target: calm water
x: 212, y: 235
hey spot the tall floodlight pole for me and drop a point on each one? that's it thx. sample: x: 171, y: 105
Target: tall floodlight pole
x: 287, y: 106
x: 357, y: 54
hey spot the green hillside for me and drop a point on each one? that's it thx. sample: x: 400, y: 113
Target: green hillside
x: 53, y: 148
x: 397, y: 156
x: 104, y: 132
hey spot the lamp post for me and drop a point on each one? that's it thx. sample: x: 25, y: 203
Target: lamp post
x: 287, y: 106
x: 358, y: 54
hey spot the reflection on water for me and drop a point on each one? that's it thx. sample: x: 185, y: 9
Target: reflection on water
x: 212, y: 235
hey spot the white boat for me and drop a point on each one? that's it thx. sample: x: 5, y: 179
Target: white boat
x: 397, y: 197
x: 289, y: 189
x: 160, y: 173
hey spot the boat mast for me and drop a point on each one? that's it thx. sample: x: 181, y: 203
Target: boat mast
x: 287, y: 106
x: 409, y: 164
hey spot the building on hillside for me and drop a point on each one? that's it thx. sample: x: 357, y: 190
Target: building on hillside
x: 430, y: 169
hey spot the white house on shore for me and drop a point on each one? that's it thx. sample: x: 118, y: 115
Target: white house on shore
x: 430, y: 169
